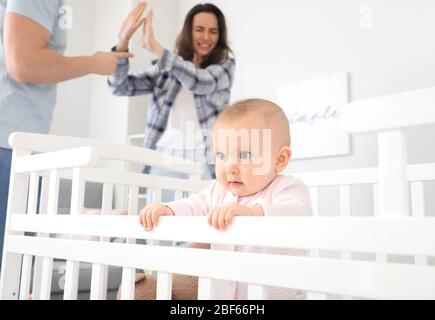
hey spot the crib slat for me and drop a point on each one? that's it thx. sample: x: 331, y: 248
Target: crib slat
x: 256, y: 292
x: 11, y: 264
x: 345, y: 211
x: 157, y: 195
x: 418, y: 211
x: 99, y: 282
x: 178, y: 195
x: 100, y: 272
x: 205, y: 288
x: 164, y: 286
x: 26, y: 270
x: 376, y: 205
x: 417, y: 193
x: 47, y: 263
x: 157, y: 198
x: 129, y: 274
x: 127, y: 283
x: 380, y: 257
x: 73, y: 267
x: 393, y: 183
x: 43, y: 205
x: 355, y: 278
x: 46, y: 277
x: 314, y: 194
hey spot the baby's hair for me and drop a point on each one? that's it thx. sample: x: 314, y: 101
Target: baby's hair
x: 268, y: 112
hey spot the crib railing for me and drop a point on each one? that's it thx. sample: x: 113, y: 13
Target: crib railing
x: 354, y: 278
x: 82, y: 163
x: 404, y: 236
x: 392, y: 230
x: 345, y: 180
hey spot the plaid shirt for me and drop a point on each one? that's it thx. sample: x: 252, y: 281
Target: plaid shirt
x: 210, y: 87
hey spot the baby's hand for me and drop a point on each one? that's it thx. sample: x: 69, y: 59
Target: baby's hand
x: 221, y: 217
x: 149, y: 215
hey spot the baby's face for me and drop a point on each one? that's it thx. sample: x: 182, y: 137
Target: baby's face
x: 245, y: 157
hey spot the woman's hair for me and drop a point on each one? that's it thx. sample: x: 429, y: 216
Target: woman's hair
x: 184, y: 46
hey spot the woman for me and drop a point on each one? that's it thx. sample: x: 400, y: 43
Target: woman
x: 189, y: 87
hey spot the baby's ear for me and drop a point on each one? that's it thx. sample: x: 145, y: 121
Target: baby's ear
x: 284, y: 156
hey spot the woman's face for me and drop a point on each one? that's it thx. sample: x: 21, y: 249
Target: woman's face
x: 205, y: 33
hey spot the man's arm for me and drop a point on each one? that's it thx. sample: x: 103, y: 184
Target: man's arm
x: 28, y: 60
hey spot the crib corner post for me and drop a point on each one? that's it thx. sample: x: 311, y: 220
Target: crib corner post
x: 17, y: 201
x: 393, y: 186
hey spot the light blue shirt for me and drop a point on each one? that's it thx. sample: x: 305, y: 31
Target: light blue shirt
x: 29, y: 107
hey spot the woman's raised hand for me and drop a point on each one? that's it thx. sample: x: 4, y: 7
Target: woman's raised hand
x: 149, y: 42
x: 133, y: 21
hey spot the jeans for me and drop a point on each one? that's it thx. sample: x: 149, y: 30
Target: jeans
x: 169, y: 195
x: 5, y: 171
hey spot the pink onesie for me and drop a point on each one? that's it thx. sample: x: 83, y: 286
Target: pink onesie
x: 285, y: 196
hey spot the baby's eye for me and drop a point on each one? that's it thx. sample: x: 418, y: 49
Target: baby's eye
x: 245, y: 155
x: 220, y: 156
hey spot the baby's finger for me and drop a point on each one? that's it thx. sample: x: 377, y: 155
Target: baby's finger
x: 155, y: 217
x: 215, y: 218
x: 140, y: 216
x: 210, y: 217
x: 229, y: 217
x: 221, y: 219
x: 143, y: 217
x: 148, y: 218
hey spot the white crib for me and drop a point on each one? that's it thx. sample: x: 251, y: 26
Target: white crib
x: 401, y: 225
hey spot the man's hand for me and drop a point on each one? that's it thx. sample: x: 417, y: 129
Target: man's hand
x: 105, y: 63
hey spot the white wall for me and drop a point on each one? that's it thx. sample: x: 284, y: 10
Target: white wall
x: 281, y: 41
x: 85, y: 106
x: 275, y: 42
x: 165, y: 17
x: 72, y: 113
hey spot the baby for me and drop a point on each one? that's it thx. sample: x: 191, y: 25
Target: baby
x: 251, y: 142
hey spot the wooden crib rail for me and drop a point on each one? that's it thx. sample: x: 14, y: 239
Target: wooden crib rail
x: 391, y: 112
x: 83, y: 150
x: 401, y: 236
x: 389, y: 117
x: 356, y: 278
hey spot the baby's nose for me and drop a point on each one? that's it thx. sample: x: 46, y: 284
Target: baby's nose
x: 233, y: 168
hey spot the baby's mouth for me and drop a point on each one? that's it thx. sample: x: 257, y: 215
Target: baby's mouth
x: 235, y: 183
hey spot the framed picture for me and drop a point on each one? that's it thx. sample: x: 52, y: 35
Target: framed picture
x: 314, y: 108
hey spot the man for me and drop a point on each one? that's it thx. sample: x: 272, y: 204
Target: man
x: 32, y: 42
